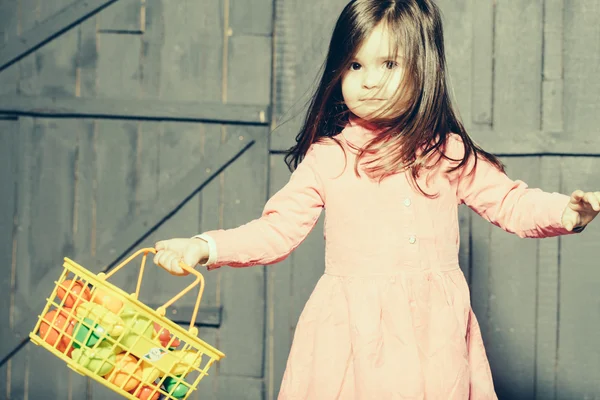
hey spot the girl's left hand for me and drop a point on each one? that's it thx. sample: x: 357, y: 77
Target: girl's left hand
x: 581, y: 210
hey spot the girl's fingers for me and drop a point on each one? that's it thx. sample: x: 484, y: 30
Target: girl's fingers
x: 169, y: 260
x: 577, y: 196
x: 592, y: 200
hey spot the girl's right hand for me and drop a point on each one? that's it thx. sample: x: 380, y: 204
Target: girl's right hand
x: 190, y: 251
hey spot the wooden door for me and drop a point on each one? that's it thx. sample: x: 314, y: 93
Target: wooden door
x: 123, y: 123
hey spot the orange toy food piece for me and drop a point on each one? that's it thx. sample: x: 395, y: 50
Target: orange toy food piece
x: 62, y: 327
x: 146, y: 391
x: 106, y: 300
x: 126, y: 374
x: 77, y: 292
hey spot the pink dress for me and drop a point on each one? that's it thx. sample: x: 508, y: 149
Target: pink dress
x: 391, y: 316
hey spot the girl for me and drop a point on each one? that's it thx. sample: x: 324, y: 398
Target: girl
x: 384, y: 152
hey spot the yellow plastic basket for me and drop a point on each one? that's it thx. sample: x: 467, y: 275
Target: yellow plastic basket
x: 103, y: 332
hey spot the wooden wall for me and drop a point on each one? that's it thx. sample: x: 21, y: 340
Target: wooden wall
x: 106, y: 131
x: 112, y: 124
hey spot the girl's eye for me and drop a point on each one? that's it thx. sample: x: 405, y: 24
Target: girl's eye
x: 391, y: 64
x: 354, y: 66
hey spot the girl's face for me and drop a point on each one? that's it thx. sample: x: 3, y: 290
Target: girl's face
x: 373, y: 76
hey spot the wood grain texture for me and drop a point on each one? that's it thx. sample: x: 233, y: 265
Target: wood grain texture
x: 578, y: 349
x: 553, y: 83
x: 123, y: 17
x: 547, y: 294
x: 517, y: 68
x: 116, y: 108
x: 242, y: 290
x: 581, y: 68
x: 49, y: 29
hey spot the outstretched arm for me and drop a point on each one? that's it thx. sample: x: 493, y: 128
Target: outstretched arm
x: 288, y: 217
x: 509, y: 204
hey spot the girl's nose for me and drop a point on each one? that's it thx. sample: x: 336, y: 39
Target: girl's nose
x: 371, y: 80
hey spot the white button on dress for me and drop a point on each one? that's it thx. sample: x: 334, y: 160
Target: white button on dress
x: 407, y: 202
x: 412, y: 240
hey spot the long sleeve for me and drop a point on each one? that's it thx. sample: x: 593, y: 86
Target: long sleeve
x: 509, y: 204
x: 287, y: 218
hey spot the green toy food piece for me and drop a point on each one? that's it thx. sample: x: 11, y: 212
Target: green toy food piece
x: 100, y: 360
x: 174, y: 387
x: 81, y: 332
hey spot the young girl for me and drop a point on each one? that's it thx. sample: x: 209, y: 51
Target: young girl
x: 384, y: 152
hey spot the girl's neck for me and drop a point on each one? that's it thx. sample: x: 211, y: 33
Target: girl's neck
x: 353, y: 120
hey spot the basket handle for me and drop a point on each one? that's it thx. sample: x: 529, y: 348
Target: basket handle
x: 162, y: 310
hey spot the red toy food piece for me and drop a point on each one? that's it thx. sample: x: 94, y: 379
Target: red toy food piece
x: 164, y: 337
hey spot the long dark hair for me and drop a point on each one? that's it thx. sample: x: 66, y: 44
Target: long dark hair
x: 418, y: 129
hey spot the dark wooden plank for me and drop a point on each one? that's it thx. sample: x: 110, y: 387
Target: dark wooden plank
x: 116, y: 150
x: 464, y: 252
x: 191, y: 64
x: 517, y: 78
x: 578, y: 348
x: 512, y: 286
x: 251, y: 17
x: 581, y: 67
x: 49, y: 239
x: 301, y: 45
x: 87, y: 59
x: 240, y: 387
x: 9, y: 21
x: 84, y: 216
x: 152, y: 44
x: 547, y: 295
x: 125, y: 16
x: 243, y: 298
x: 552, y: 95
x: 483, y: 62
x: 120, y: 80
x: 8, y: 181
x: 51, y: 71
x: 49, y: 29
x: 138, y: 109
x: 480, y: 244
x: 523, y: 142
x: 458, y: 22
x: 213, y: 137
x: 249, y: 82
x: 18, y: 364
x: 127, y: 237
x: 164, y: 154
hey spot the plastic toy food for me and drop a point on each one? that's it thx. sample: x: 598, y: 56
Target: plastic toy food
x: 164, y: 337
x: 110, y: 336
x: 110, y: 322
x: 175, y: 387
x: 78, y: 292
x: 126, y: 374
x: 82, y: 334
x: 60, y: 335
x: 135, y: 325
x: 145, y: 392
x: 110, y: 302
x: 99, y: 360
